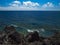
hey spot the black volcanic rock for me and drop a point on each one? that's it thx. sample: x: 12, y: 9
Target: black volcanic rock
x: 9, y: 36
x: 2, y: 37
x: 32, y: 36
x: 12, y: 35
x: 9, y: 29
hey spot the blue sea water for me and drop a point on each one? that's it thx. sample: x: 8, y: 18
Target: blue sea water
x: 51, y: 18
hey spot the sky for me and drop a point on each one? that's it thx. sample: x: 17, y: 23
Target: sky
x: 30, y: 5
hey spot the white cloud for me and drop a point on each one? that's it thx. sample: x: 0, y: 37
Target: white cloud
x: 15, y: 4
x: 27, y: 4
x: 17, y: 8
x: 48, y: 5
x: 30, y: 4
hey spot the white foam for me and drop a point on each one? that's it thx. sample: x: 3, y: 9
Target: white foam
x: 13, y: 25
x: 28, y: 30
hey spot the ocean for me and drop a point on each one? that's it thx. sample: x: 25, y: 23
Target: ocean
x: 49, y: 20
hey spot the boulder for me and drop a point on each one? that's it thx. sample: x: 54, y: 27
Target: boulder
x: 2, y: 37
x: 12, y: 35
x: 32, y: 36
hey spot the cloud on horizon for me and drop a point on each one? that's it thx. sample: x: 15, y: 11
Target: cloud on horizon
x: 48, y: 5
x: 15, y: 4
x: 29, y: 5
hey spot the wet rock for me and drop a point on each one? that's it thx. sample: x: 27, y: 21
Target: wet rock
x: 9, y: 29
x: 9, y: 36
x: 32, y: 36
x: 55, y: 40
x: 36, y: 43
x: 2, y: 37
x: 12, y: 36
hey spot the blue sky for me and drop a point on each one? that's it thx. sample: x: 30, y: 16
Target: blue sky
x: 30, y: 4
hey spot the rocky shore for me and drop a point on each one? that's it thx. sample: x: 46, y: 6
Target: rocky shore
x: 9, y: 36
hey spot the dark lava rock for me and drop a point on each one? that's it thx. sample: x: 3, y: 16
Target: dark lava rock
x: 12, y: 35
x: 32, y: 36
x: 9, y: 36
x: 2, y: 37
